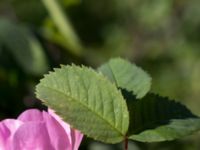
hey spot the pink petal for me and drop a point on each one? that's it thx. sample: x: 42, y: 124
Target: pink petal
x: 57, y: 134
x: 7, y: 130
x: 77, y: 137
x: 31, y: 115
x: 32, y: 136
x: 65, y: 125
x: 36, y: 130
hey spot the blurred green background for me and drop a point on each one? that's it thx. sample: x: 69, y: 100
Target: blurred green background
x: 163, y: 37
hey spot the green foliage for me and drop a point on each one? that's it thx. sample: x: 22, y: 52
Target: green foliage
x: 155, y: 118
x: 60, y: 19
x: 161, y: 36
x: 24, y: 47
x: 127, y: 76
x: 91, y: 103
x: 87, y: 100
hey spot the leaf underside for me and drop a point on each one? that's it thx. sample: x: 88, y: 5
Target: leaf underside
x: 127, y: 76
x: 87, y: 101
x: 155, y: 118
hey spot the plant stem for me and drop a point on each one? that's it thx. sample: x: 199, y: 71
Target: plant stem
x: 126, y: 143
x: 64, y: 26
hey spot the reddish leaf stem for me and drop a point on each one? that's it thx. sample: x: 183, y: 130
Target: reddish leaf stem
x: 126, y: 143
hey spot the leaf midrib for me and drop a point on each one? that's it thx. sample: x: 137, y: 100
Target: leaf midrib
x: 86, y: 107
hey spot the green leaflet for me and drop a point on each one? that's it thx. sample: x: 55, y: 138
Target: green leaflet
x: 127, y: 76
x: 87, y: 101
x: 177, y: 128
x: 155, y: 118
x: 24, y: 47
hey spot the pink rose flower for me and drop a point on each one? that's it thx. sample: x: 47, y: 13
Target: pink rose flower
x: 38, y: 130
